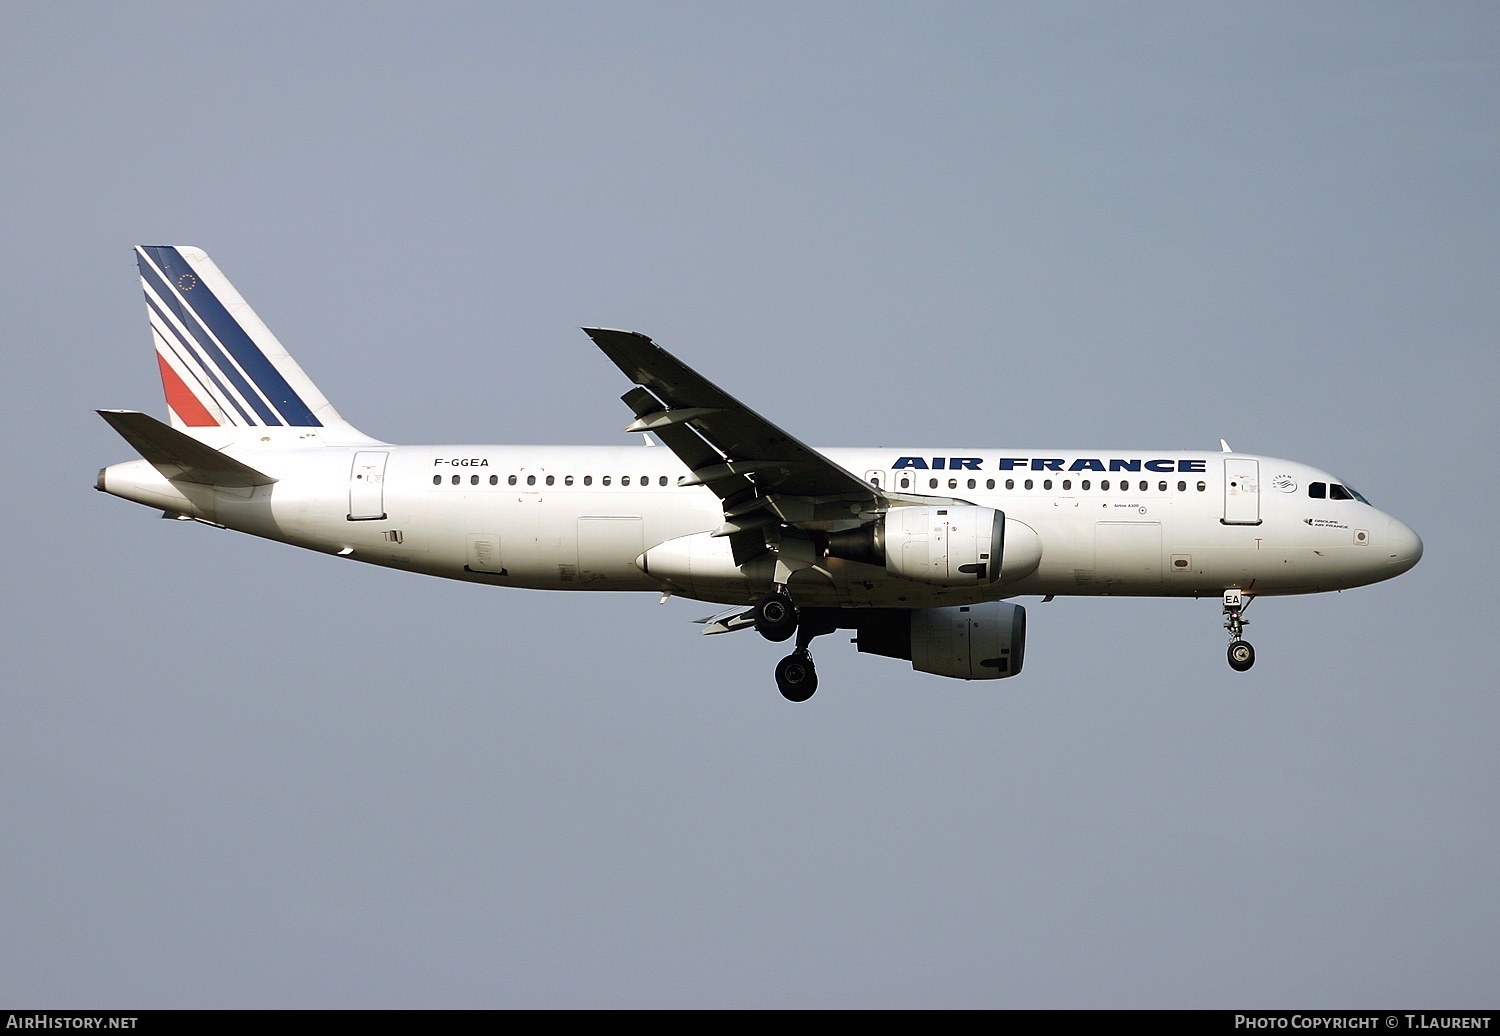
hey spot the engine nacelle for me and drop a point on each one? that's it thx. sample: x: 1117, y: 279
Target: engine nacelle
x: 967, y: 642
x: 945, y: 546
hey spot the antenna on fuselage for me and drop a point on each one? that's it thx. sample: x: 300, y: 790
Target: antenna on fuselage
x: 1225, y: 446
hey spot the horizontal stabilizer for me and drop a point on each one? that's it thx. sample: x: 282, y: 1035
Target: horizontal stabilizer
x: 179, y: 456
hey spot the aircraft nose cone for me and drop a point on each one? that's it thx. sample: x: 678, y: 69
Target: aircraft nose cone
x: 1404, y: 547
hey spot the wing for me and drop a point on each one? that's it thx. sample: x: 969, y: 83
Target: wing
x: 765, y: 478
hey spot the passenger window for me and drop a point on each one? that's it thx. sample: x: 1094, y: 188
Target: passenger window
x: 1202, y: 487
x: 567, y: 480
x: 1067, y: 483
x: 1338, y: 492
x: 1029, y: 483
x: 531, y: 480
x: 588, y: 480
x: 1182, y: 487
x: 1047, y: 484
x: 1010, y: 483
x: 989, y: 483
x: 437, y: 480
x: 455, y: 480
x: 604, y: 481
x: 1104, y: 483
x: 932, y: 483
x: 1145, y: 485
x: 953, y: 483
x: 473, y: 480
x: 494, y: 480
x: 972, y: 483
x: 662, y: 481
x: 905, y: 482
x: 511, y: 480
x: 1161, y: 486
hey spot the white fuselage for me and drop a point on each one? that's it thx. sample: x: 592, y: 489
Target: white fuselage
x: 1137, y: 523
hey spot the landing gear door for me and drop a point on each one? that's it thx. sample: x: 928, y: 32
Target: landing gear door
x: 1241, y: 491
x: 367, y: 487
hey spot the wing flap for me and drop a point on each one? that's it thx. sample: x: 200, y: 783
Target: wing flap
x: 727, y: 621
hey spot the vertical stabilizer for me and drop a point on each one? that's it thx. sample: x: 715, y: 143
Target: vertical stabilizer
x: 226, y: 377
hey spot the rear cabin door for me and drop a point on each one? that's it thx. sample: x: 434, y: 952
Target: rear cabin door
x: 367, y: 487
x: 1241, y: 491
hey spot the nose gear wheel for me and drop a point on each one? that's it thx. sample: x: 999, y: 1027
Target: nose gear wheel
x: 1241, y: 654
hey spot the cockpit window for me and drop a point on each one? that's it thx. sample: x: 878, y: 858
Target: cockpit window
x: 1333, y: 491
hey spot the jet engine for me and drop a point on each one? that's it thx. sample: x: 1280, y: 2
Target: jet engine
x: 946, y: 546
x: 967, y: 642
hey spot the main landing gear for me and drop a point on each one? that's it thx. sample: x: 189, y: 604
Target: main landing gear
x: 796, y: 676
x: 777, y: 618
x: 1241, y: 654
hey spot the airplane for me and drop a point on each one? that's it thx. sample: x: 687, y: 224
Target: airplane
x: 920, y: 551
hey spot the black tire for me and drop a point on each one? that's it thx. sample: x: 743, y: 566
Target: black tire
x: 776, y: 617
x: 796, y: 677
x: 1241, y: 655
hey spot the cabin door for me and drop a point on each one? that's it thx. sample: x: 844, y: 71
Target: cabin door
x: 1241, y: 491
x: 367, y: 487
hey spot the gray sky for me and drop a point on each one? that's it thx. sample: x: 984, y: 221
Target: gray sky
x: 236, y: 774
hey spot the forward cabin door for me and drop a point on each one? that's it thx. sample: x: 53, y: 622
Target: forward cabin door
x: 1241, y: 491
x: 367, y: 487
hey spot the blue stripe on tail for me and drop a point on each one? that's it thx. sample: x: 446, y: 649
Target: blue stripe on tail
x: 203, y: 346
x: 189, y: 348
x: 196, y: 299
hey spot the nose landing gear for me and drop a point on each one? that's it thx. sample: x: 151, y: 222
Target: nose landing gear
x: 1241, y: 654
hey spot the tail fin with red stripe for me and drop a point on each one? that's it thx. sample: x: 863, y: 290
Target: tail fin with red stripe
x: 227, y: 379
